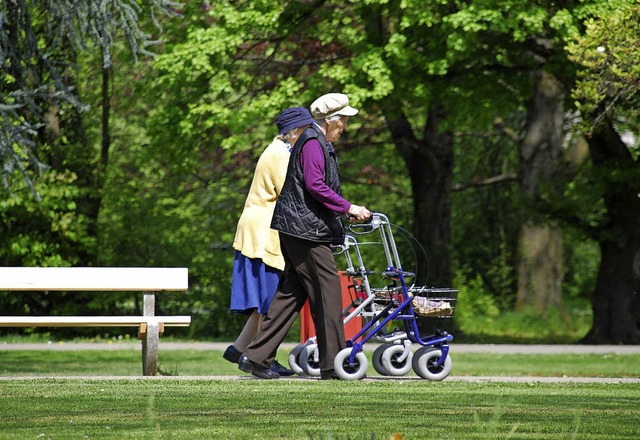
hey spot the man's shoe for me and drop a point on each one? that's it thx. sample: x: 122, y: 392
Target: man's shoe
x: 232, y: 354
x: 281, y: 369
x: 329, y: 375
x: 256, y: 369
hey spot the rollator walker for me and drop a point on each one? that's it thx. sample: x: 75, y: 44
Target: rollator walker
x: 381, y: 307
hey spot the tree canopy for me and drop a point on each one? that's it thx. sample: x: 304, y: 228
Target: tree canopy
x: 477, y: 119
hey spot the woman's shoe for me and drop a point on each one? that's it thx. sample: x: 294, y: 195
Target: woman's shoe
x: 281, y: 369
x: 256, y: 369
x: 232, y: 354
x: 329, y: 375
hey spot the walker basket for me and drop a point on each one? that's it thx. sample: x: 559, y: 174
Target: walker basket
x: 433, y: 302
x: 429, y: 302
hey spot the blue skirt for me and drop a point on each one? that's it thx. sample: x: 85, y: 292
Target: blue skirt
x: 253, y: 285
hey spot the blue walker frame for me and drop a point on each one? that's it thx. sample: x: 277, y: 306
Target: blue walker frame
x: 397, y: 274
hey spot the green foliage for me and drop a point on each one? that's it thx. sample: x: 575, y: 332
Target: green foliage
x: 479, y: 317
x: 582, y: 257
x: 486, y: 219
x: 37, y: 47
x: 187, y: 127
x: 227, y: 102
x: 558, y: 326
x: 476, y: 309
x: 609, y: 61
x: 47, y: 233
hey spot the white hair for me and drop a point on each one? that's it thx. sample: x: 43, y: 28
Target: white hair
x: 323, y: 120
x: 286, y: 136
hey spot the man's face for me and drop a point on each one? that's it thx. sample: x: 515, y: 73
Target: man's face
x: 335, y: 128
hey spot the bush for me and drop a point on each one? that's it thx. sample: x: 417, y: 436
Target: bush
x: 479, y: 318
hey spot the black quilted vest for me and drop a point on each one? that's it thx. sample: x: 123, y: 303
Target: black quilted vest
x: 297, y: 213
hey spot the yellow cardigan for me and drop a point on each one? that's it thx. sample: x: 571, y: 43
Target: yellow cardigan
x: 254, y: 236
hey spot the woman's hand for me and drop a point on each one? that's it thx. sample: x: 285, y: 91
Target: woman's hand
x: 358, y: 213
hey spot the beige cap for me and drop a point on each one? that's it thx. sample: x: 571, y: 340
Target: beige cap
x: 332, y: 104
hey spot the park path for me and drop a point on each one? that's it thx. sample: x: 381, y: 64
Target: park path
x: 455, y: 348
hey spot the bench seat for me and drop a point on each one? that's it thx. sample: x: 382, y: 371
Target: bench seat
x: 148, y: 280
x: 92, y: 321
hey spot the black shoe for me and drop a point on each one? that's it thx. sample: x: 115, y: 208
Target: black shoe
x: 281, y: 369
x: 329, y: 375
x: 232, y: 354
x: 256, y: 369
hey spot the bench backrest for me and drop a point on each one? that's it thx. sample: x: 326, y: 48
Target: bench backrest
x: 148, y: 279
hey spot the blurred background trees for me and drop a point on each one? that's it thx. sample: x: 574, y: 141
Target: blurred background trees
x: 501, y: 134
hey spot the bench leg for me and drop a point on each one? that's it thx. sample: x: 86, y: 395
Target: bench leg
x: 150, y: 335
x: 150, y: 340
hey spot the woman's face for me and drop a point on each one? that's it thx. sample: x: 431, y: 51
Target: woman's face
x: 335, y: 128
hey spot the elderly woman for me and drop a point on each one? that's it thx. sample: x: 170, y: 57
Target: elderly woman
x: 308, y: 217
x: 258, y: 260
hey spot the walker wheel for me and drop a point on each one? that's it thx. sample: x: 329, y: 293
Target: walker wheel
x: 294, y: 359
x: 393, y: 362
x: 425, y: 360
x: 377, y: 356
x: 348, y: 371
x: 309, y: 360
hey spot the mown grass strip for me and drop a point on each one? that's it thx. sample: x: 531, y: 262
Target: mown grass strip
x: 297, y: 409
x: 211, y: 363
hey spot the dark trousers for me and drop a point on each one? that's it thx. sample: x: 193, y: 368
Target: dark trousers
x: 310, y: 273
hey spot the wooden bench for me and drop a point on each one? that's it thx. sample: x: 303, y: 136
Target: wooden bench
x: 148, y: 280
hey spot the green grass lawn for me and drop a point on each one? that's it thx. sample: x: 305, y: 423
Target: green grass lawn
x: 304, y: 409
x: 127, y: 362
x: 184, y: 407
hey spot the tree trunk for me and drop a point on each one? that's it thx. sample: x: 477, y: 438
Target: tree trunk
x: 615, y: 301
x: 430, y: 164
x: 106, y: 130
x: 540, y: 266
x: 429, y: 160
